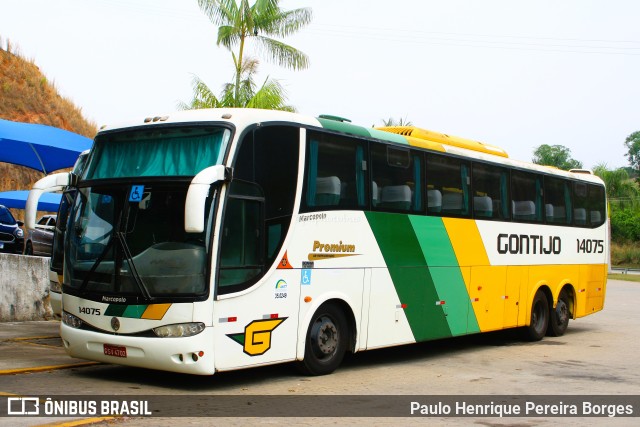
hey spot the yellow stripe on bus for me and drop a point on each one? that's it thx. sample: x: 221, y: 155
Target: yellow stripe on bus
x: 466, y: 241
x: 155, y: 311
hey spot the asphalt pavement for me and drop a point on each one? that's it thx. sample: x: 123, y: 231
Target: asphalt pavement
x: 33, y: 347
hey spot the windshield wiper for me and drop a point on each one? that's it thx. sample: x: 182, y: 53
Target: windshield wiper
x: 95, y: 265
x: 136, y: 277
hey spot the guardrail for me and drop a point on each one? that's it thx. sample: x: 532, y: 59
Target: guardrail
x: 624, y: 270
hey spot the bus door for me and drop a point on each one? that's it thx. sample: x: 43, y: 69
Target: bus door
x: 257, y: 293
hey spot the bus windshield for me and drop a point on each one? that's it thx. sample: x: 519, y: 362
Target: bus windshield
x: 139, y: 249
x: 127, y: 237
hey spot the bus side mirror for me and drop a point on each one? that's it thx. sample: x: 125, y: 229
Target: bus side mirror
x: 48, y: 184
x: 197, y: 196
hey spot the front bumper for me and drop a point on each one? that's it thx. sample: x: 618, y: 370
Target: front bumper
x: 167, y: 354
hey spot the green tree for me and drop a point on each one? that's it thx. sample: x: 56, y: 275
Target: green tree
x: 271, y: 95
x: 625, y: 225
x: 239, y: 21
x: 555, y: 155
x: 624, y: 202
x: 619, y: 184
x: 633, y: 150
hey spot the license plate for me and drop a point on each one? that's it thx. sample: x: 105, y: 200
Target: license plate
x: 115, y: 350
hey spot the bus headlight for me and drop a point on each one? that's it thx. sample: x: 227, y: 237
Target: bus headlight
x: 71, y: 320
x: 179, y: 330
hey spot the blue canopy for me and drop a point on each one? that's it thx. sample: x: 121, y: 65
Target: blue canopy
x: 40, y: 147
x: 48, y: 202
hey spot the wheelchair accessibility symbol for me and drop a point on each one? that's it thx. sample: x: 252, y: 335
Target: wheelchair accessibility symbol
x: 136, y: 193
x: 305, y: 277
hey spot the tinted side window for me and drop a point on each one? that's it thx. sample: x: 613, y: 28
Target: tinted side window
x: 448, y: 185
x: 580, y: 203
x: 335, y: 173
x: 597, y: 205
x: 557, y: 201
x: 526, y: 195
x: 490, y: 192
x: 396, y: 175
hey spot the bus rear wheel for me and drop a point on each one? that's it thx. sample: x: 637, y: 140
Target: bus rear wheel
x: 326, y: 341
x: 539, y: 317
x: 559, y: 319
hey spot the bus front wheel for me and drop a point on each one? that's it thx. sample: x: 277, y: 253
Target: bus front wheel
x: 539, y: 317
x: 559, y: 319
x: 326, y: 341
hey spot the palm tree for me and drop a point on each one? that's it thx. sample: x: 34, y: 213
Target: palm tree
x: 396, y: 122
x: 238, y: 22
x: 620, y: 187
x: 271, y: 95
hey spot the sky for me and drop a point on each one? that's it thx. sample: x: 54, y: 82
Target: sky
x: 511, y: 73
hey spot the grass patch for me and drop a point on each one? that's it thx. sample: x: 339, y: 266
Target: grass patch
x: 625, y: 254
x: 625, y: 277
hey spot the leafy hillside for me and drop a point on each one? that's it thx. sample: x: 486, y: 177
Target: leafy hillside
x: 28, y: 96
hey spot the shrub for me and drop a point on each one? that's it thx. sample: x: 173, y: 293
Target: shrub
x: 625, y: 225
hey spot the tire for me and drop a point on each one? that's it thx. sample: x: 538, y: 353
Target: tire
x: 539, y: 321
x: 28, y: 249
x: 326, y: 341
x: 559, y: 317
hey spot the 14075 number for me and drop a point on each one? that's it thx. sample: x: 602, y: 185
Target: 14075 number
x: 590, y: 246
x: 89, y: 310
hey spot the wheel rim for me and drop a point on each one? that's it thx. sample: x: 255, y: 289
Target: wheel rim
x: 562, y: 312
x: 324, y: 338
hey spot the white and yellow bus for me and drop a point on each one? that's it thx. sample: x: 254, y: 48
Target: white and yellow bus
x: 214, y: 240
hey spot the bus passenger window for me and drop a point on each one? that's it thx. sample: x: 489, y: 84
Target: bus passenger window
x: 597, y: 205
x: 448, y: 186
x: 557, y: 199
x: 580, y: 203
x: 526, y: 194
x: 490, y: 190
x: 397, y: 173
x: 335, y: 173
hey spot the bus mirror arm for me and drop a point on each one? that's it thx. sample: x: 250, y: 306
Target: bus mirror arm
x: 48, y: 184
x: 197, y: 195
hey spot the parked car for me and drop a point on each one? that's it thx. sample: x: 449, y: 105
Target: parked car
x: 39, y: 241
x: 11, y: 235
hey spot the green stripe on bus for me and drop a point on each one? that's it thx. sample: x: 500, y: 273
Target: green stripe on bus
x: 388, y: 136
x: 130, y: 311
x: 362, y: 131
x: 410, y: 274
x: 445, y: 272
x: 344, y: 127
x: 134, y: 311
x: 115, y: 310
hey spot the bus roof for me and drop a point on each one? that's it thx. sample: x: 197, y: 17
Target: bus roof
x: 403, y: 135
